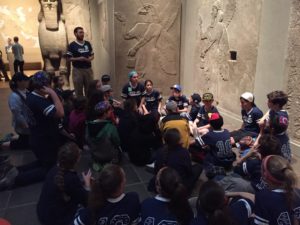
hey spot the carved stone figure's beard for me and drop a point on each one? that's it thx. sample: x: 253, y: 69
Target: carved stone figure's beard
x: 51, y: 16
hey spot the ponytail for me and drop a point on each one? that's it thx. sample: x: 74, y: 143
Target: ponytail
x: 279, y: 174
x: 171, y: 187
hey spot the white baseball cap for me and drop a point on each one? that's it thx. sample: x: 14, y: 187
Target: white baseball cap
x: 248, y: 96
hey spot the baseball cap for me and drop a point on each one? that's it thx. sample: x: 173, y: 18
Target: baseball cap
x: 40, y: 79
x: 171, y: 106
x: 102, y: 107
x: 105, y: 88
x: 176, y: 86
x: 248, y: 96
x: 214, y: 116
x: 132, y: 73
x: 207, y: 97
x: 105, y: 78
x: 19, y: 77
x: 196, y: 98
x: 216, y: 121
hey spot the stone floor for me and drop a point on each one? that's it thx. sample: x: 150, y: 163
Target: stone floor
x: 19, y: 205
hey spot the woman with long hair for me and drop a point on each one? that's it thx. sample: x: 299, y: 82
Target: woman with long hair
x: 170, y: 204
x: 63, y: 191
x: 108, y: 204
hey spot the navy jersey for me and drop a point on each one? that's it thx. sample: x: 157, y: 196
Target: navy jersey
x: 133, y: 92
x: 239, y: 210
x: 204, y: 115
x: 57, y: 207
x: 182, y: 101
x: 155, y: 211
x: 220, y: 147
x: 152, y: 100
x: 43, y: 111
x: 271, y: 208
x: 284, y: 146
x: 251, y: 169
x: 250, y: 119
x: 77, y: 49
x: 123, y: 210
x: 192, y: 115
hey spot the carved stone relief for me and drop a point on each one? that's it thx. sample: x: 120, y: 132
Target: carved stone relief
x: 77, y: 14
x: 293, y: 71
x: 104, y: 24
x: 148, y: 40
x: 52, y: 37
x: 225, y: 52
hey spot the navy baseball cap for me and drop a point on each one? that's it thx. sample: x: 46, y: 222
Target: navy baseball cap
x: 40, y: 79
x: 177, y: 87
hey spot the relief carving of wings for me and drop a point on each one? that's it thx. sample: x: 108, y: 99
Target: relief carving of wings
x: 169, y: 13
x: 229, y: 12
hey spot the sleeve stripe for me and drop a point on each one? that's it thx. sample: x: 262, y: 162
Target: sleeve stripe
x: 260, y: 221
x: 77, y: 221
x: 247, y: 205
x: 70, y: 53
x: 48, y: 109
x: 245, y: 168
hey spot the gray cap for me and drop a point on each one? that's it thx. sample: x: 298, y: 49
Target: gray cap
x: 105, y: 88
x: 171, y: 106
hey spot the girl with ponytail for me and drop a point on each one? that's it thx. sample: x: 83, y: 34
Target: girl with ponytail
x: 280, y: 204
x: 170, y: 205
x: 215, y: 208
x: 108, y: 204
x: 63, y: 191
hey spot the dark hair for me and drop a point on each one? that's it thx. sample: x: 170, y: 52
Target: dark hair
x: 130, y: 105
x: 171, y: 187
x: 55, y: 80
x: 278, y: 97
x: 80, y: 103
x: 268, y: 145
x: 146, y: 81
x: 92, y: 88
x: 67, y: 158
x: 96, y: 97
x: 280, y: 169
x: 105, y: 78
x: 172, y: 138
x: 107, y: 184
x: 217, y: 123
x: 211, y: 201
x: 16, y: 39
x: 76, y: 29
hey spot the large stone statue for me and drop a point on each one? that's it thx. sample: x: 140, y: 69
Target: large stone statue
x: 52, y: 37
x: 155, y: 51
x: 214, y: 47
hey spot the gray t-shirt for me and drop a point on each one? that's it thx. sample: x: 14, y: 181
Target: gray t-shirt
x: 18, y: 51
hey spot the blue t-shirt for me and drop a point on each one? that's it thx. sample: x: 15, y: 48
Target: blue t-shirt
x: 76, y: 49
x: 133, y: 92
x: 43, y: 111
x: 251, y: 169
x: 192, y: 115
x: 220, y: 147
x: 204, y: 115
x: 285, y: 148
x: 155, y: 211
x: 239, y: 210
x: 250, y: 119
x: 271, y: 208
x: 182, y: 101
x: 152, y: 100
x: 124, y: 210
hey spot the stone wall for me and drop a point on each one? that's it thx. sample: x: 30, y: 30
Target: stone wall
x: 147, y: 39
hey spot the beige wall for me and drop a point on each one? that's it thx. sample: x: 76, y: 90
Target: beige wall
x: 19, y: 18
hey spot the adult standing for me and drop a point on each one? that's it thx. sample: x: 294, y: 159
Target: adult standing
x: 2, y: 68
x: 80, y: 53
x: 10, y: 56
x: 18, y: 52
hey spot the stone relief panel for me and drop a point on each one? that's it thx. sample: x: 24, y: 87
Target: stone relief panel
x: 293, y: 71
x: 53, y: 37
x: 147, y: 36
x: 77, y: 13
x: 226, y: 49
x: 103, y: 22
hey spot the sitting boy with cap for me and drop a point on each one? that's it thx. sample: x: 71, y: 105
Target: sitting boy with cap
x: 179, y: 98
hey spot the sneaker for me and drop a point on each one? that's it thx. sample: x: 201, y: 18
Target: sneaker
x: 8, y: 175
x: 6, y: 138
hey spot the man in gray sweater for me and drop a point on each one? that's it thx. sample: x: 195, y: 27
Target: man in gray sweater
x: 18, y: 52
